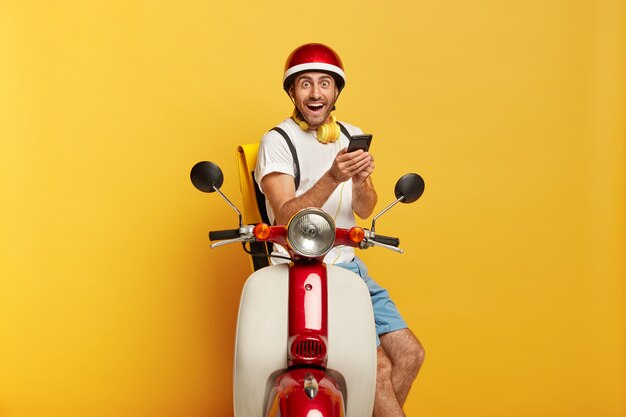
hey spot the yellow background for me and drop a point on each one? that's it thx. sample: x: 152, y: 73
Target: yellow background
x: 111, y: 303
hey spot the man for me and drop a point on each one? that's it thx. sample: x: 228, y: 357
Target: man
x: 339, y: 183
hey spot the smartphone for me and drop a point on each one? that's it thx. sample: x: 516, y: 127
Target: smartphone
x: 360, y: 142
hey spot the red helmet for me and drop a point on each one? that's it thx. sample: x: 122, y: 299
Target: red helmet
x: 314, y: 57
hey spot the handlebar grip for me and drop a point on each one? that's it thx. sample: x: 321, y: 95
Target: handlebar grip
x: 387, y: 240
x: 224, y: 234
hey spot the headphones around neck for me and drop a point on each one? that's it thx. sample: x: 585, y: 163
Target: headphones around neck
x: 326, y: 133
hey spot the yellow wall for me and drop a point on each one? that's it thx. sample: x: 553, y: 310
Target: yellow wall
x: 111, y: 303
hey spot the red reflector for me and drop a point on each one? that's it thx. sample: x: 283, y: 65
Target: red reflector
x: 262, y: 231
x: 356, y: 234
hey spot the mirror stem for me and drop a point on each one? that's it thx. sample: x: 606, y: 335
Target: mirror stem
x: 383, y: 212
x: 230, y: 204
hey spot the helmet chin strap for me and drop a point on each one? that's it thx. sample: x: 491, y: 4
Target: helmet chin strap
x: 326, y: 133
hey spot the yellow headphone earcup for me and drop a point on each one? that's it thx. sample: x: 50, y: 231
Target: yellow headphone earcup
x: 335, y: 131
x: 322, y: 133
x: 329, y: 132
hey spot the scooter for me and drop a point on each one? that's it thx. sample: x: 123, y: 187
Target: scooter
x: 306, y: 341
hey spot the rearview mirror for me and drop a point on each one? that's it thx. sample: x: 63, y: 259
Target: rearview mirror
x: 409, y: 186
x: 207, y: 176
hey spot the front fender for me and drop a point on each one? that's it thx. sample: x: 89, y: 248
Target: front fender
x: 304, y: 393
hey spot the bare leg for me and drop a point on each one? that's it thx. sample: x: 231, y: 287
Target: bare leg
x: 406, y: 355
x: 385, y: 402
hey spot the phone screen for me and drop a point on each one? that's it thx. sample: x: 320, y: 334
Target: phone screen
x: 360, y: 142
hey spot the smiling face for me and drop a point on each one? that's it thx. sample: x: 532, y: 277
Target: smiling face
x: 314, y: 94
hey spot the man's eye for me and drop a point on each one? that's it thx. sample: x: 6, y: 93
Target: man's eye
x: 325, y: 84
x: 306, y: 84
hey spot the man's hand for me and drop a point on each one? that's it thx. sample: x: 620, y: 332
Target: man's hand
x: 364, y: 174
x: 357, y: 165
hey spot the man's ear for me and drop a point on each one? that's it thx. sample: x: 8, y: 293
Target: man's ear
x: 291, y: 92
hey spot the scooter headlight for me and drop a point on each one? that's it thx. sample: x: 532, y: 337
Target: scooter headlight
x: 311, y: 233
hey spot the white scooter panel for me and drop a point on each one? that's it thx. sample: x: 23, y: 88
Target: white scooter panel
x: 261, y: 344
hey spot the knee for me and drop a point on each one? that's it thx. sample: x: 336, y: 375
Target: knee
x: 418, y: 353
x: 413, y: 356
x: 406, y: 353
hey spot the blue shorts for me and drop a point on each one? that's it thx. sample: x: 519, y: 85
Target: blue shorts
x: 386, y: 314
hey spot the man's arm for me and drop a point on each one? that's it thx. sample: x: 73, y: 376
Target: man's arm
x: 364, y: 196
x: 280, y: 190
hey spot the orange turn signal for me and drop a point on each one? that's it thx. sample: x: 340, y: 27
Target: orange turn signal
x: 262, y: 231
x: 356, y: 234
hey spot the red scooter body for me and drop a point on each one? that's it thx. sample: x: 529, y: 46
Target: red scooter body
x: 305, y: 388
x: 272, y: 361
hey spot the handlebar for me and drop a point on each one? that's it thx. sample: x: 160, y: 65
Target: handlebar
x: 243, y: 234
x: 246, y: 234
x: 224, y: 234
x: 387, y: 240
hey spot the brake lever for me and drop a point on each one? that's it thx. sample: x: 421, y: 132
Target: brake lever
x: 227, y: 241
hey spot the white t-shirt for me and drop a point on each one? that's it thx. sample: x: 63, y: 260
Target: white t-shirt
x: 315, y: 159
